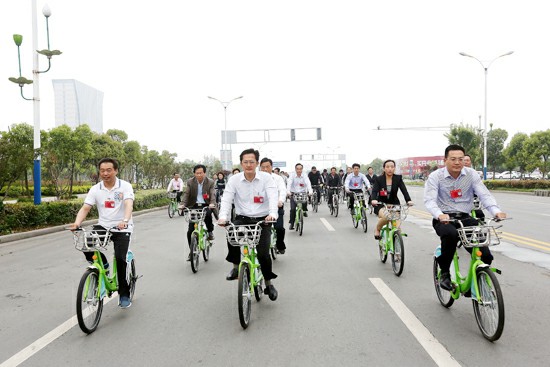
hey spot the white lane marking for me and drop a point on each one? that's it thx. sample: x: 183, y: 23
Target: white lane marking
x: 327, y: 224
x: 35, y: 347
x: 438, y: 352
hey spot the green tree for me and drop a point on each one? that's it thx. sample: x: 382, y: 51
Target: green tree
x: 133, y: 160
x: 515, y: 153
x: 538, y: 150
x: 376, y: 165
x: 17, y: 154
x: 495, y: 146
x: 469, y: 138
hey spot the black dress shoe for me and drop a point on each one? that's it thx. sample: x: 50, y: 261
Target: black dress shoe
x: 305, y: 214
x: 445, y: 281
x: 282, y: 252
x: 233, y: 274
x: 271, y: 292
x: 291, y: 227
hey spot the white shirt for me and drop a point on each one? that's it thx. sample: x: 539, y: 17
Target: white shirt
x: 354, y: 182
x: 256, y: 198
x: 281, y: 187
x: 298, y: 184
x: 110, y: 203
x: 175, y: 185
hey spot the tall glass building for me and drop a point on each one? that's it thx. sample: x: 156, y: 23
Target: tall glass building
x: 77, y: 103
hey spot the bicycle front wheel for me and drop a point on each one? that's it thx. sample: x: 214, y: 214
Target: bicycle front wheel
x: 398, y: 255
x: 382, y: 249
x: 354, y: 219
x: 315, y: 204
x: 364, y: 219
x: 273, y: 244
x: 301, y: 223
x: 335, y: 205
x: 88, y: 304
x: 489, y: 310
x: 444, y: 296
x: 245, y: 297
x: 171, y: 209
x: 195, y: 252
x: 206, y: 250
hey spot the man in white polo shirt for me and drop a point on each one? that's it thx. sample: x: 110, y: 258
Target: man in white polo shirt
x: 114, y: 199
x: 255, y: 197
x: 266, y: 165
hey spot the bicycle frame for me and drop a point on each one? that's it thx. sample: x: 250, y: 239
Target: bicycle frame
x: 463, y: 284
x: 251, y: 258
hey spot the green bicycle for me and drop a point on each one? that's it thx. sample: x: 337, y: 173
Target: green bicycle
x: 199, y: 238
x: 359, y: 213
x: 273, y: 244
x: 480, y: 283
x: 96, y: 282
x: 391, y: 237
x: 251, y: 280
x: 173, y: 204
x: 315, y: 199
x: 300, y: 198
x: 333, y: 200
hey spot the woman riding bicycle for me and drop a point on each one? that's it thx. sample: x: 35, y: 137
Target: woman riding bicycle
x: 385, y: 190
x: 220, y: 186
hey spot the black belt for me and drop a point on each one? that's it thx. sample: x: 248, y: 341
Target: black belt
x: 257, y: 219
x: 457, y: 215
x: 200, y: 205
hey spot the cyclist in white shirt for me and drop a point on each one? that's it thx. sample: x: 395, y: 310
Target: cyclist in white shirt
x: 355, y: 182
x: 266, y: 165
x: 114, y: 199
x: 176, y: 184
x: 297, y: 183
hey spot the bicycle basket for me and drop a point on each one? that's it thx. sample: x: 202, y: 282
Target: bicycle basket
x: 478, y: 236
x: 359, y: 196
x: 300, y: 197
x: 91, y: 241
x: 194, y: 215
x: 172, y: 195
x: 396, y: 212
x: 247, y: 234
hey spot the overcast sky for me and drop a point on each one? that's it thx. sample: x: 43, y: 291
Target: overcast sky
x: 344, y: 66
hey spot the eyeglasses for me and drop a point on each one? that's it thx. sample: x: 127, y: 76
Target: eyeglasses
x: 249, y: 162
x: 456, y: 159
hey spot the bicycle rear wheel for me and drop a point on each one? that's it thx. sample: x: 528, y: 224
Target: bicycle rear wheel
x: 398, y: 255
x: 273, y: 244
x: 354, y: 219
x: 364, y: 219
x: 133, y: 278
x: 245, y: 298
x: 315, y: 202
x: 259, y: 288
x: 489, y: 310
x: 444, y: 296
x: 206, y: 250
x: 382, y: 248
x: 88, y: 304
x: 195, y: 252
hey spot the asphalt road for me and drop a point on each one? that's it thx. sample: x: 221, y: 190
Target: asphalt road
x: 338, y: 304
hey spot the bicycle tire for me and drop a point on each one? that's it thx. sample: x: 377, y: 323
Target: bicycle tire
x: 171, y: 209
x: 244, y: 297
x: 206, y: 251
x: 364, y: 220
x: 315, y: 202
x: 336, y: 208
x: 354, y: 219
x: 489, y: 311
x: 398, y: 254
x: 331, y: 208
x: 195, y: 252
x: 88, y: 304
x: 301, y: 223
x: 273, y: 244
x: 444, y: 296
x: 133, y: 279
x: 382, y: 249
x: 259, y: 289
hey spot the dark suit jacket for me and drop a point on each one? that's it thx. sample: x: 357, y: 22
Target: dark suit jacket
x: 397, y: 183
x: 190, y: 195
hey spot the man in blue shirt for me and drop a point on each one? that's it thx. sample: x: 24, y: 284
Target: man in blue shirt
x: 449, y: 194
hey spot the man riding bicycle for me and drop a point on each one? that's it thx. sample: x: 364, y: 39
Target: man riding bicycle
x: 266, y: 165
x: 297, y: 183
x: 449, y: 194
x: 355, y: 182
x: 176, y: 184
x: 316, y: 181
x: 333, y: 180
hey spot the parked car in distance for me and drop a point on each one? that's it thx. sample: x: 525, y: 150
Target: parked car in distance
x: 532, y: 176
x: 508, y: 175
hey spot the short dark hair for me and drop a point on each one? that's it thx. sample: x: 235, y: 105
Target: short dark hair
x: 386, y: 161
x: 313, y: 167
x: 249, y: 151
x: 298, y: 164
x: 108, y: 160
x: 370, y: 168
x: 467, y: 155
x: 277, y: 169
x: 356, y: 165
x: 235, y: 169
x: 265, y: 159
x: 223, y: 174
x: 453, y: 147
x: 199, y: 166
x: 333, y: 168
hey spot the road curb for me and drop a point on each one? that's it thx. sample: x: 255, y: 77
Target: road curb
x: 43, y: 231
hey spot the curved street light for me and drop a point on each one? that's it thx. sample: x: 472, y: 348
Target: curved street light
x: 486, y: 69
x: 226, y: 165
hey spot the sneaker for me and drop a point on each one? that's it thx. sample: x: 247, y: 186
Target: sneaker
x: 210, y: 236
x: 124, y: 302
x: 445, y: 281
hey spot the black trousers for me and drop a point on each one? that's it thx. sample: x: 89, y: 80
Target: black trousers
x: 352, y: 197
x: 262, y: 249
x: 121, y: 241
x: 449, y: 239
x: 280, y: 229
x: 207, y: 221
x: 293, y: 209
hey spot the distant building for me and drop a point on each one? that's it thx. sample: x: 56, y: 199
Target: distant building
x: 418, y: 167
x: 77, y: 103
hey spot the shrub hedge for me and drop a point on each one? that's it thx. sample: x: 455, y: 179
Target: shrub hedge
x: 24, y: 216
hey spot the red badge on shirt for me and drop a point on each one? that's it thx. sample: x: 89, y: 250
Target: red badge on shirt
x: 383, y: 192
x: 258, y: 199
x: 205, y: 196
x: 301, y: 185
x: 456, y: 193
x: 109, y: 203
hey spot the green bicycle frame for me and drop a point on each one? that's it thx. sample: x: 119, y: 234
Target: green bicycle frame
x: 389, y: 230
x: 250, y: 258
x: 357, y: 206
x: 201, y: 235
x: 299, y: 210
x: 111, y: 283
x: 465, y: 283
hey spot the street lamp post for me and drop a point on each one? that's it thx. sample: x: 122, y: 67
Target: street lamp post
x: 226, y: 164
x: 486, y: 69
x: 22, y: 81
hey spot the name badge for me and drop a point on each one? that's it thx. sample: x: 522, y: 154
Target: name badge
x: 258, y: 199
x: 456, y: 193
x: 205, y: 196
x: 301, y: 185
x: 356, y: 184
x: 109, y: 203
x: 383, y: 193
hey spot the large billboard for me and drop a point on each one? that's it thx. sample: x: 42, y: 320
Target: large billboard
x: 418, y: 167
